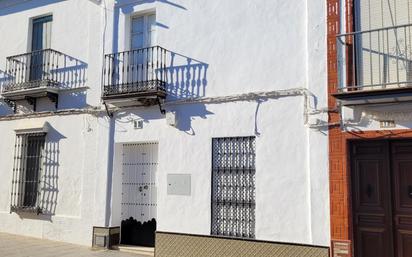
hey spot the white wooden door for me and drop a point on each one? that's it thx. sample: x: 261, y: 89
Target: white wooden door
x: 138, y: 211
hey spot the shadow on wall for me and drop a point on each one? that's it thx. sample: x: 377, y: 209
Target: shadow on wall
x: 15, y: 6
x: 49, y: 188
x: 72, y: 74
x: 185, y: 115
x: 186, y: 77
x: 4, y: 108
x: 171, y: 3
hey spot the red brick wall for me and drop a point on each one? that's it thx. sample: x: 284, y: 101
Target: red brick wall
x: 340, y: 208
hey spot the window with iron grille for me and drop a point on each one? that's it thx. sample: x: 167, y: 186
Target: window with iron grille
x: 28, y: 164
x: 233, y: 187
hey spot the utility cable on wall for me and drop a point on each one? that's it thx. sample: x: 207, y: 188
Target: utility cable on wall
x: 248, y: 97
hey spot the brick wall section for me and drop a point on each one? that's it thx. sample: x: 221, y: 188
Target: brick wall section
x: 339, y: 174
x: 338, y: 178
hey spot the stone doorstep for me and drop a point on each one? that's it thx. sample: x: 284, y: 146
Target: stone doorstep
x: 147, y: 251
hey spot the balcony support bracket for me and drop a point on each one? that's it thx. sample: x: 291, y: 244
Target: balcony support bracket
x: 54, y: 98
x: 12, y: 104
x: 32, y: 101
x: 159, y: 102
x: 110, y: 114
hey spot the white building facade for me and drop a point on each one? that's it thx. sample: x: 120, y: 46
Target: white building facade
x: 159, y: 122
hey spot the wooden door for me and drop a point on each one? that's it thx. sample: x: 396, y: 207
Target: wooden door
x: 138, y: 209
x: 402, y: 197
x: 371, y: 203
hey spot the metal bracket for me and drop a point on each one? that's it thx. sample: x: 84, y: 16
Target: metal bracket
x: 53, y: 97
x: 159, y: 102
x: 32, y: 101
x: 110, y: 114
x: 12, y: 104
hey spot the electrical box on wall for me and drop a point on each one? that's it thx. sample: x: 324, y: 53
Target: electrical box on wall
x: 137, y: 124
x: 179, y: 184
x: 171, y: 118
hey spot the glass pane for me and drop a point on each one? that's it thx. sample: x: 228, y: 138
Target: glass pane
x: 138, y: 25
x: 151, y: 38
x: 151, y: 22
x: 137, y: 41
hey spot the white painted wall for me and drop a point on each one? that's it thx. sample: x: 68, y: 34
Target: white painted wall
x: 368, y: 117
x: 247, y: 47
x: 82, y: 154
x: 78, y: 159
x: 241, y: 47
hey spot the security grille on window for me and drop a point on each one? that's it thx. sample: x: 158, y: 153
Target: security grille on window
x: 233, y: 190
x: 28, y: 164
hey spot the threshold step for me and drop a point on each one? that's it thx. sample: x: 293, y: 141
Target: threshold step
x: 147, y: 251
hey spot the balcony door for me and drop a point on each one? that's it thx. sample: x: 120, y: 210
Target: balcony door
x: 384, y: 43
x: 41, y: 39
x: 142, y: 40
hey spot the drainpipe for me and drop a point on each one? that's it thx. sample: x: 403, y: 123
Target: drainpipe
x: 109, y: 182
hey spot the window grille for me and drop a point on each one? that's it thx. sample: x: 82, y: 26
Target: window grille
x: 28, y: 164
x: 233, y: 189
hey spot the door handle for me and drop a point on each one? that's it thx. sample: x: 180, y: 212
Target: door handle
x: 410, y: 191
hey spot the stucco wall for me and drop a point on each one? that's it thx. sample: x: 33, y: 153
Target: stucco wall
x: 238, y: 47
x: 74, y: 173
x: 247, y: 47
x: 76, y: 32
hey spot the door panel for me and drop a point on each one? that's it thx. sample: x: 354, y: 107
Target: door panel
x: 371, y: 241
x: 404, y: 245
x: 371, y: 200
x: 402, y: 194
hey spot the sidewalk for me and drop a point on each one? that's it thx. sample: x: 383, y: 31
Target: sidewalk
x: 19, y: 246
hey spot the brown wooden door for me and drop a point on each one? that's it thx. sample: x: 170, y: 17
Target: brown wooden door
x: 381, y: 174
x: 371, y: 203
x: 401, y: 153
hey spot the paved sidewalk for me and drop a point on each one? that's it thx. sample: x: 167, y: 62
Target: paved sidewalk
x: 19, y: 246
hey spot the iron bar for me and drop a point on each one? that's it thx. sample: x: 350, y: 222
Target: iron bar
x: 28, y: 70
x: 135, y: 71
x: 375, y: 59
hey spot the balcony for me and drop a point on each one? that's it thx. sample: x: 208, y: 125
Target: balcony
x: 39, y: 74
x: 136, y: 77
x: 375, y: 66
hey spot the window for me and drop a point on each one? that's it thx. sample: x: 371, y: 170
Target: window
x: 233, y: 187
x: 28, y: 163
x: 143, y: 31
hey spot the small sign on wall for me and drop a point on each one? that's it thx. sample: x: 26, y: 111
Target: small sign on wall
x: 387, y: 123
x: 179, y: 184
x: 341, y: 248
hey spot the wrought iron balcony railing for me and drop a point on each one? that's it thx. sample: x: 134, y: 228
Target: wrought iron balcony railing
x: 379, y: 59
x: 33, y: 70
x: 140, y: 72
